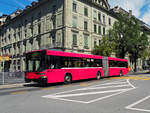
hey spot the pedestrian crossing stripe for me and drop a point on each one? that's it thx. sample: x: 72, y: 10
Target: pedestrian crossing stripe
x: 133, y: 78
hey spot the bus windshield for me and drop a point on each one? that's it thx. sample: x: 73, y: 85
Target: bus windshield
x: 35, y: 62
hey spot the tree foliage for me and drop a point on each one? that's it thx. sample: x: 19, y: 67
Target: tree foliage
x: 129, y: 38
x: 105, y: 48
x: 119, y: 34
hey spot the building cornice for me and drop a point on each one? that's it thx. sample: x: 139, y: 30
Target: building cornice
x: 25, y: 11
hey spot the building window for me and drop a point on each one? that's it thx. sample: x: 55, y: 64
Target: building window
x: 74, y: 40
x: 54, y: 8
x: 95, y: 28
x: 99, y: 30
x: 74, y: 24
x: 14, y: 64
x: 19, y: 65
x: 25, y: 33
x: 103, y: 30
x: 85, y: 11
x: 99, y: 16
x: 39, y: 43
x: 74, y: 7
x: 39, y: 28
x: 39, y: 16
x: 94, y: 15
x: 99, y: 42
x: 31, y: 45
x: 24, y: 46
x: 32, y: 20
x: 95, y: 43
x: 26, y: 22
x: 9, y: 38
x: 85, y: 41
x: 104, y: 19
x: 109, y: 20
x: 85, y: 25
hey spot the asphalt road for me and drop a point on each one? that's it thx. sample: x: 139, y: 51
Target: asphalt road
x: 127, y: 94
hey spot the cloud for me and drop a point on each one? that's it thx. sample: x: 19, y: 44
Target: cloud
x: 134, y: 5
x: 146, y: 16
x: 140, y: 8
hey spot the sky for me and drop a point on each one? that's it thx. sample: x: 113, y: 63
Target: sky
x: 140, y: 8
x: 9, y: 6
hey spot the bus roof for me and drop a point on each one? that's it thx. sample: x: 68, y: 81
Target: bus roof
x: 117, y: 59
x: 70, y: 54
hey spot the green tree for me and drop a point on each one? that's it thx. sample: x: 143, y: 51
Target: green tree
x: 138, y: 43
x: 129, y: 38
x: 119, y: 35
x: 105, y: 48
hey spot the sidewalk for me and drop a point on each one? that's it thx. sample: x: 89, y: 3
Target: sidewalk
x: 138, y: 72
x: 12, y: 85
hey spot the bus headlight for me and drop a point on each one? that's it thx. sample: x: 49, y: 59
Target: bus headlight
x: 43, y: 77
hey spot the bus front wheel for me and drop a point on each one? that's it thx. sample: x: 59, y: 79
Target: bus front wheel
x: 98, y: 75
x: 68, y: 78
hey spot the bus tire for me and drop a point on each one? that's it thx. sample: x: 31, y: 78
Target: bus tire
x: 98, y: 75
x: 68, y: 78
x: 43, y: 82
x: 121, y: 74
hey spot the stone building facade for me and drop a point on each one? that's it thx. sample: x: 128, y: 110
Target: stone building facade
x: 66, y: 25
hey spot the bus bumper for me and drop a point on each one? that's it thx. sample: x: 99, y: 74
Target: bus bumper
x: 41, y: 80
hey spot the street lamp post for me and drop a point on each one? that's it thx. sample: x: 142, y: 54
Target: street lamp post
x: 3, y: 76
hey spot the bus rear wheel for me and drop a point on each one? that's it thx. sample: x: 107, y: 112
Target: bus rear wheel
x: 98, y: 75
x: 68, y: 78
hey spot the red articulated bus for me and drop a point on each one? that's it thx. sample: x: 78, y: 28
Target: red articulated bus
x: 49, y: 66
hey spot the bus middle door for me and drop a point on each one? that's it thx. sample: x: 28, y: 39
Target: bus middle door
x: 105, y: 67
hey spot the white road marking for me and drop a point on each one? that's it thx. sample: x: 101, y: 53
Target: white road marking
x: 130, y: 84
x: 77, y: 101
x: 94, y: 86
x: 131, y: 107
x: 105, y: 87
x: 84, y: 102
x: 91, y: 93
x: 117, y: 84
x: 98, y: 99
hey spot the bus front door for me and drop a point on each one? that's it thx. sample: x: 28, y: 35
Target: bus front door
x: 105, y: 67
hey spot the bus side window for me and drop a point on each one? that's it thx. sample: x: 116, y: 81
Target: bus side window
x: 52, y: 64
x: 92, y: 64
x: 123, y: 64
x: 69, y: 64
x: 76, y: 62
x: 48, y: 62
x: 98, y: 62
x: 64, y: 61
x: 87, y: 63
x: 57, y: 62
x: 65, y: 64
x: 112, y: 63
